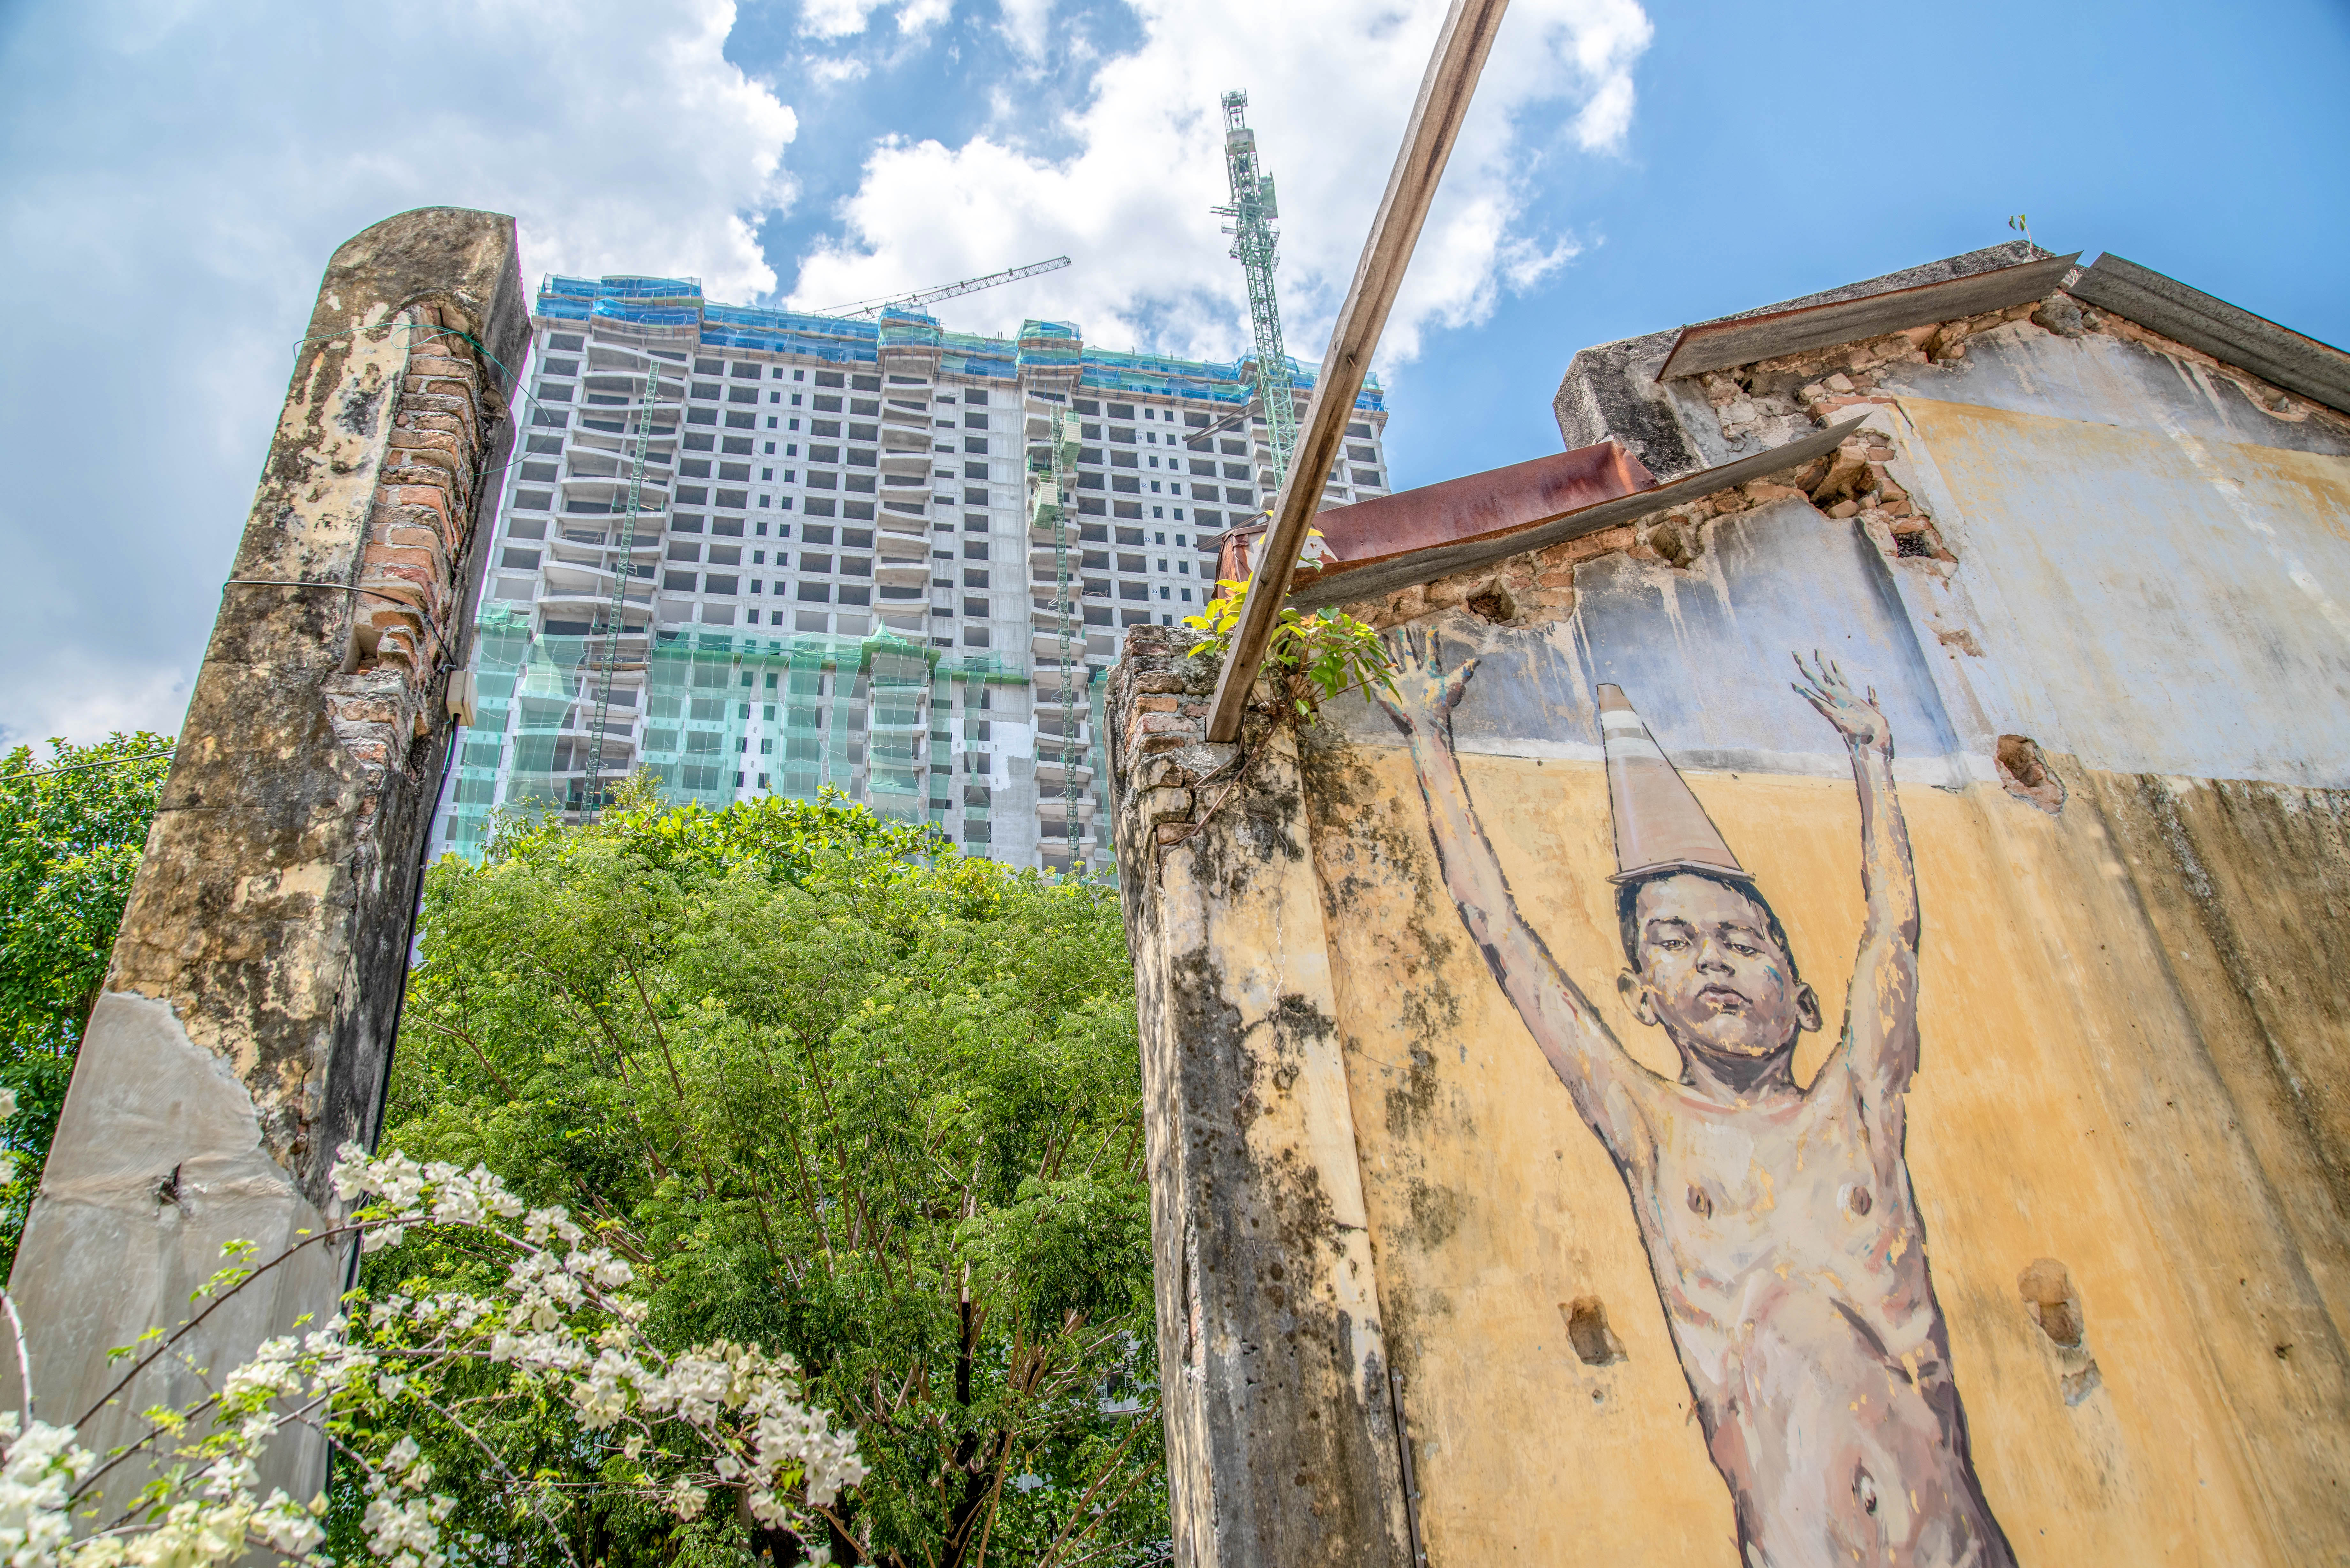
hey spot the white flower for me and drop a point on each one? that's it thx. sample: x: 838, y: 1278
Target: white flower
x: 286, y: 1524
x: 230, y: 1477
x: 601, y: 1398
x: 685, y: 1500
x: 351, y: 1172
x: 7, y: 1104
x: 35, y: 1479
x: 385, y: 1236
x: 396, y: 1529
x: 271, y: 1371
x: 398, y: 1178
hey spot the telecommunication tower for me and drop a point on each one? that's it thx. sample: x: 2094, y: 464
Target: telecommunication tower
x: 1253, y: 212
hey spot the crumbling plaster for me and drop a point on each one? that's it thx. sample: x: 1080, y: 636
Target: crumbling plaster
x: 2091, y: 572
x: 1275, y: 1383
x: 244, y: 1030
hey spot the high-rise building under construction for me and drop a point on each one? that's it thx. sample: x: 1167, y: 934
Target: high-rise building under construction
x: 837, y: 571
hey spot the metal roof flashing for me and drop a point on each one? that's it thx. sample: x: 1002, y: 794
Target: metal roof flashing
x: 1417, y: 535
x: 2277, y: 354
x: 1772, y: 335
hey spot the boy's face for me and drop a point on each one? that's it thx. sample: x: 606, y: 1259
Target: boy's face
x: 1712, y: 974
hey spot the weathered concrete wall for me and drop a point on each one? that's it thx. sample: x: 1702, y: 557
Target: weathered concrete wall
x: 1281, y: 1437
x: 2094, y: 579
x: 245, y: 1029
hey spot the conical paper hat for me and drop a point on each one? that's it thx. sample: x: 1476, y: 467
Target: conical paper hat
x: 1659, y: 826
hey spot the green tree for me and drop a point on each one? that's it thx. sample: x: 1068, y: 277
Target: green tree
x: 836, y: 1091
x: 71, y: 832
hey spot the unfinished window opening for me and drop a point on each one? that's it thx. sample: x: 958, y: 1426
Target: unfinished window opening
x: 1594, y: 1343
x: 2025, y: 773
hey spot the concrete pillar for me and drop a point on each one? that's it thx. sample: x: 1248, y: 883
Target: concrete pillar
x: 1282, y: 1444
x: 245, y: 1028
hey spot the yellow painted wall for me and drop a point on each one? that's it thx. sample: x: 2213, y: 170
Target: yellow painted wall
x: 2067, y: 1107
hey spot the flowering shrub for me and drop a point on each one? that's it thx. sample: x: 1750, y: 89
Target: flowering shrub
x: 718, y: 1419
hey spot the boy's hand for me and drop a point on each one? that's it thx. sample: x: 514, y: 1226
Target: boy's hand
x: 1423, y: 695
x: 1823, y: 686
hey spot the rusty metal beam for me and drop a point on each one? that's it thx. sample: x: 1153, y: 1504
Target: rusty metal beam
x: 1470, y: 507
x: 1534, y: 527
x: 1444, y: 94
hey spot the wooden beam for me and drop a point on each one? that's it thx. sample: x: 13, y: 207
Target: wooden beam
x: 1444, y: 94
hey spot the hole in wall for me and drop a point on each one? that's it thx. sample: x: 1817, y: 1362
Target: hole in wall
x: 1594, y: 1343
x: 1492, y: 604
x: 2047, y: 1287
x: 2049, y: 1295
x: 2025, y: 773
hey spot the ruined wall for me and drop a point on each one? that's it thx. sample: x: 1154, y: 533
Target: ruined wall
x: 1280, y: 1430
x: 245, y: 1029
x: 2094, y: 579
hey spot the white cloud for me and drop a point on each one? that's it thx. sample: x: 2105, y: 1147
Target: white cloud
x: 179, y: 175
x: 1331, y: 84
x: 847, y: 18
x: 1023, y: 24
x: 830, y: 71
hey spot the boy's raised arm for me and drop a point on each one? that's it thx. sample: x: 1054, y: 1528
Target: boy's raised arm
x: 1610, y: 1090
x: 1880, y: 1037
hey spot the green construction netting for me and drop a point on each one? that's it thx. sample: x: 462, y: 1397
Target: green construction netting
x: 853, y: 713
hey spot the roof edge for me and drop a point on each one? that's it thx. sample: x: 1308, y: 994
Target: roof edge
x: 2317, y: 370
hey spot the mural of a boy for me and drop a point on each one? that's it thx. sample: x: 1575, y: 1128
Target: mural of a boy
x: 1778, y: 1220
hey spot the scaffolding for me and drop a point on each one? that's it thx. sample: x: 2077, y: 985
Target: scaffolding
x: 834, y: 712
x: 1053, y: 433
x: 624, y: 571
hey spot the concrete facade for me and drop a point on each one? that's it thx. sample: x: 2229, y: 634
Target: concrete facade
x: 245, y: 1032
x: 834, y: 532
x: 2095, y: 576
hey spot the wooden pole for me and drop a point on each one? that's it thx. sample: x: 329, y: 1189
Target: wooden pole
x: 1444, y: 94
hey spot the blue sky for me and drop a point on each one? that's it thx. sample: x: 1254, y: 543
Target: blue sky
x: 178, y: 172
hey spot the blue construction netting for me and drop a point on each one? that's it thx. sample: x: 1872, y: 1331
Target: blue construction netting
x: 678, y: 302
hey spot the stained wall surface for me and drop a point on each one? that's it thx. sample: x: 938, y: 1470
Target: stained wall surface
x: 2131, y: 1006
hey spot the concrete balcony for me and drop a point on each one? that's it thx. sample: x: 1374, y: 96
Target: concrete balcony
x: 591, y: 496
x: 901, y: 574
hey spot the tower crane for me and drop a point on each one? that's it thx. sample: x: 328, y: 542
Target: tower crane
x: 922, y: 296
x: 1254, y: 239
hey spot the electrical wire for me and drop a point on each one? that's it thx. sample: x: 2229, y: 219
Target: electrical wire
x: 83, y: 767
